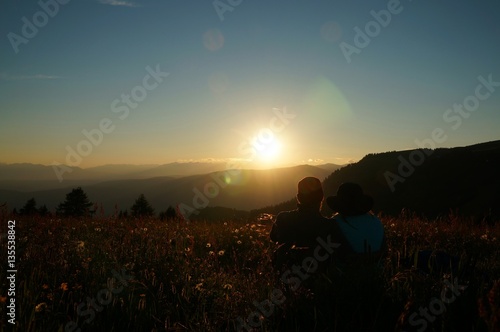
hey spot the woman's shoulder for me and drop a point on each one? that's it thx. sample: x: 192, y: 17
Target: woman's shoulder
x: 357, y: 218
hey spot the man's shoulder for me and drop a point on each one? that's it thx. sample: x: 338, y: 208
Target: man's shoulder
x: 297, y: 215
x: 286, y: 215
x: 287, y: 212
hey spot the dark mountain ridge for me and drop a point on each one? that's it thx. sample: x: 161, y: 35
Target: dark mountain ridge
x: 432, y: 183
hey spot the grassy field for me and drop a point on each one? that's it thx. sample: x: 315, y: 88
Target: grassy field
x: 151, y: 275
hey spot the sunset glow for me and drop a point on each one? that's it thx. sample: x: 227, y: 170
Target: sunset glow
x: 269, y: 151
x: 153, y: 82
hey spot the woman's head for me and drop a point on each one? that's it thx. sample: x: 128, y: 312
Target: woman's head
x: 350, y: 200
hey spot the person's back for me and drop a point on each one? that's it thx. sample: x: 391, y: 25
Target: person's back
x: 359, y: 282
x: 300, y: 227
x: 363, y: 231
x: 297, y: 232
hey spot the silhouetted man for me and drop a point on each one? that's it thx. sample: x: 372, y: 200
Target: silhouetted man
x: 301, y: 227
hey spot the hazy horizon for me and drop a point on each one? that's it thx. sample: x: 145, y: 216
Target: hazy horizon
x: 230, y: 161
x: 227, y: 162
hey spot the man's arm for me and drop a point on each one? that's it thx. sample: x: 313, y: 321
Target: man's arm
x: 274, y: 233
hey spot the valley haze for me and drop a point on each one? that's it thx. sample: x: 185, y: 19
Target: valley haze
x: 428, y: 181
x: 117, y: 186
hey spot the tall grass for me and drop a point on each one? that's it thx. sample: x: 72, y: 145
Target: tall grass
x: 202, y: 276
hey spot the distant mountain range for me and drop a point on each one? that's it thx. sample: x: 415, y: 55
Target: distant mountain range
x: 464, y: 180
x: 35, y: 177
x: 238, y: 189
x: 28, y: 177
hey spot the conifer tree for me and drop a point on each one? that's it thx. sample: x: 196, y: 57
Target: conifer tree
x: 141, y: 207
x: 76, y: 204
x: 29, y: 208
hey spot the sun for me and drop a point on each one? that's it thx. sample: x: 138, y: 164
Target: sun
x: 268, y: 150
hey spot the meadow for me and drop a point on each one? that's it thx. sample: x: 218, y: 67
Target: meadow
x: 108, y: 274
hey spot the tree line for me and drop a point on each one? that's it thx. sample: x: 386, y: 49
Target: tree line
x: 77, y: 204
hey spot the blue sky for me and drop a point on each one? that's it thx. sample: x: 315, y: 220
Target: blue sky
x: 227, y: 78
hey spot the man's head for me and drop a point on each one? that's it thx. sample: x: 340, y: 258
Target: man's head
x: 310, y: 192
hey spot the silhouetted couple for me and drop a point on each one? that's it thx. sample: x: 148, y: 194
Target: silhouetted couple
x: 329, y: 267
x: 358, y: 232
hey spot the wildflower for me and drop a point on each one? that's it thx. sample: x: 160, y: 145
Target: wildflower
x: 484, y: 237
x: 145, y: 229
x: 211, y: 253
x: 228, y: 286
x: 199, y: 287
x: 45, y: 286
x: 221, y: 253
x: 97, y: 229
x: 238, y: 242
x: 41, y: 307
x: 64, y: 286
x: 208, y: 245
x: 225, y: 223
